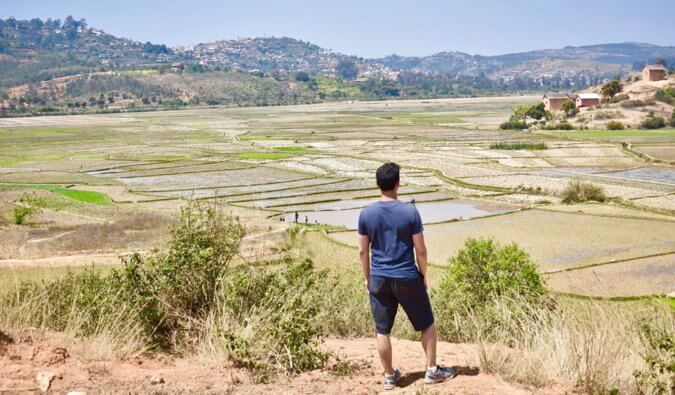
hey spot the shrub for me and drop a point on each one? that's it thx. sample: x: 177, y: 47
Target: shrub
x: 614, y: 125
x: 267, y: 320
x: 633, y: 103
x: 619, y: 98
x: 560, y: 126
x: 481, y: 276
x: 577, y: 191
x: 672, y: 119
x: 22, y: 213
x: 600, y: 115
x: 659, y: 375
x: 651, y: 122
x: 611, y: 88
x: 513, y: 124
x: 666, y: 95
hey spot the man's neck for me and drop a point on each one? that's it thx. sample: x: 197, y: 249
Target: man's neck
x: 388, y: 195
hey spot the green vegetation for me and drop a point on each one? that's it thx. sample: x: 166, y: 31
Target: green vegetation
x: 569, y: 108
x: 513, y: 125
x: 22, y: 213
x: 75, y: 194
x: 615, y: 125
x: 559, y: 126
x: 478, y: 280
x: 292, y: 148
x: 666, y: 95
x: 578, y: 191
x: 518, y: 145
x: 653, y: 122
x: 611, y: 88
x: 262, y: 155
x: 619, y: 98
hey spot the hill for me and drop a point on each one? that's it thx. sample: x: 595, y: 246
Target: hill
x: 65, y: 67
x: 592, y: 61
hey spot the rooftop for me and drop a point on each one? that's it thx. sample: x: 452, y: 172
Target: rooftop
x: 655, y: 67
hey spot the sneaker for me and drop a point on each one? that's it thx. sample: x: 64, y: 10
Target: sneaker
x: 390, y: 381
x: 438, y: 374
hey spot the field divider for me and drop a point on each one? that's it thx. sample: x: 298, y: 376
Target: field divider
x: 222, y: 186
x: 570, y: 269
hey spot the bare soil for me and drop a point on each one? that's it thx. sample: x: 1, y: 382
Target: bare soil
x: 24, y: 356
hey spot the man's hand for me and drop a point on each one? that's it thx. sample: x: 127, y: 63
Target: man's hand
x: 426, y: 283
x: 365, y: 285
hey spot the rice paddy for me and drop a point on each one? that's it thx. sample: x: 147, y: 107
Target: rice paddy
x: 468, y: 179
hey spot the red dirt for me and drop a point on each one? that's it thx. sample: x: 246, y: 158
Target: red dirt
x: 21, y: 359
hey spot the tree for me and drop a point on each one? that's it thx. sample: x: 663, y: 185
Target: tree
x: 611, y: 88
x: 569, y: 108
x: 347, y: 69
x: 302, y: 76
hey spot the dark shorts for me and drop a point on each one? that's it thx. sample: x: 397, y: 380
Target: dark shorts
x: 385, y: 296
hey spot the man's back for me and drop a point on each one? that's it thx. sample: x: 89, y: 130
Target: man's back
x: 390, y: 225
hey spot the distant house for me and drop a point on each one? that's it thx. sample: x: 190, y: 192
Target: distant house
x: 553, y: 101
x: 587, y: 99
x: 654, y: 72
x: 176, y: 66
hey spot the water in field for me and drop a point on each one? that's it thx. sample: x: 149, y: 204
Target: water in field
x: 659, y: 174
x: 345, y: 214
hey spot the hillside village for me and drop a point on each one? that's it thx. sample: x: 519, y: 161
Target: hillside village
x: 644, y: 99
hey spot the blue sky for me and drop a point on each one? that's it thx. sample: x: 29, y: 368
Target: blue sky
x: 375, y: 28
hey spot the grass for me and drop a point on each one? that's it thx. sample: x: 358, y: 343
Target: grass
x: 74, y: 194
x: 519, y: 146
x: 263, y: 155
x: 578, y: 191
x: 293, y: 148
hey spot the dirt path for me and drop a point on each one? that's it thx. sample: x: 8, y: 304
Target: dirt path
x: 76, y: 368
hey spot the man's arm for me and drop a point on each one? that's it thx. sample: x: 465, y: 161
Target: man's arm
x: 421, y: 253
x: 364, y: 257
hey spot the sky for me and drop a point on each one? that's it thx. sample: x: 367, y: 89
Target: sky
x: 374, y: 28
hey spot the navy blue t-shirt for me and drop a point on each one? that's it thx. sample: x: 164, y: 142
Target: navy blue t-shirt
x: 390, y: 226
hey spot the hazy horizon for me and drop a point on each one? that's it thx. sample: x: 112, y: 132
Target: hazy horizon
x: 377, y: 28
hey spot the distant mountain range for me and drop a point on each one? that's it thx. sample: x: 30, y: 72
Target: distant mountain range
x: 30, y: 49
x: 66, y: 66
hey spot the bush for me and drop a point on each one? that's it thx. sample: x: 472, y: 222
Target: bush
x: 513, y: 124
x: 619, y: 98
x: 653, y: 123
x: 666, y: 95
x: 560, y: 126
x: 188, y: 296
x: 22, y: 213
x: 633, y: 103
x: 672, y: 119
x: 481, y: 276
x: 577, y: 191
x: 659, y: 375
x: 614, y: 125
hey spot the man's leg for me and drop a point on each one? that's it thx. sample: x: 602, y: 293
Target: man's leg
x: 384, y: 349
x: 429, y: 339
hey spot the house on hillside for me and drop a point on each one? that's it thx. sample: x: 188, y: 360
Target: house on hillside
x: 553, y: 101
x: 176, y: 66
x: 587, y: 100
x: 654, y: 72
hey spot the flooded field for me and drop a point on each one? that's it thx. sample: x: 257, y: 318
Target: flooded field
x: 431, y: 212
x: 264, y: 164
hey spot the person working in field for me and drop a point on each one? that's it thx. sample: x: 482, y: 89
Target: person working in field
x: 389, y: 231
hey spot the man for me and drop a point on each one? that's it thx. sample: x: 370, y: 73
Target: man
x: 388, y: 232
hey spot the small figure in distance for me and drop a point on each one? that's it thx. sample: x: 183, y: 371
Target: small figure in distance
x: 297, y: 215
x: 306, y: 220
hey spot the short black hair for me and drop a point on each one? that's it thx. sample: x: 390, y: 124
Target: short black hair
x: 387, y: 176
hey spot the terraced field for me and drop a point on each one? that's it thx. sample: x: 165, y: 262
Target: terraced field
x: 267, y: 164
